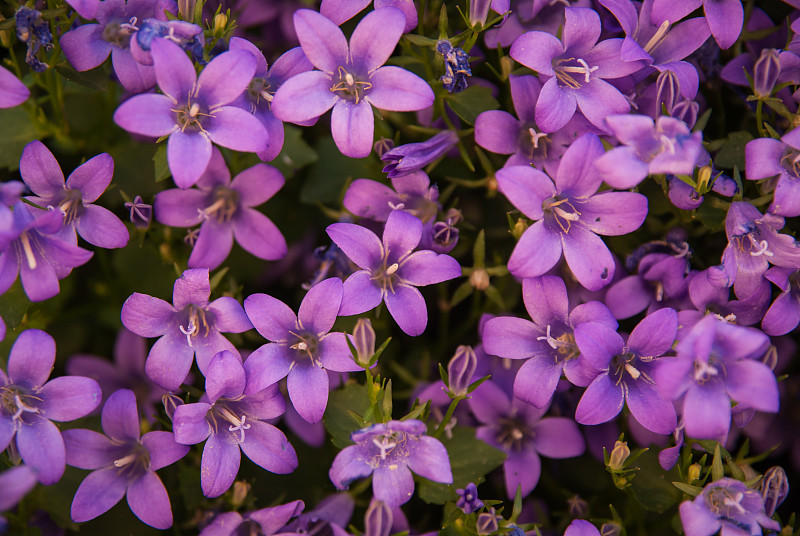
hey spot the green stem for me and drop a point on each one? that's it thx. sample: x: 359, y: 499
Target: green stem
x: 447, y: 417
x: 759, y: 122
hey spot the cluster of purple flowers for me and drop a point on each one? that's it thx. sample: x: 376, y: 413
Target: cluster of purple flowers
x: 638, y: 321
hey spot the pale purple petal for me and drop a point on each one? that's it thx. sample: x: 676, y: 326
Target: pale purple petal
x: 580, y: 527
x: 429, y: 459
x: 85, y: 47
x: 258, y: 235
x: 407, y: 307
x: 304, y: 97
x: 558, y: 437
x: 522, y: 469
x: 15, y: 483
x: 179, y: 208
x: 398, y: 90
x: 537, y: 50
x: 613, y: 213
x: 649, y: 408
x: 323, y: 42
x: 40, y: 170
x: 537, y: 251
x: 220, y: 464
x: 257, y: 184
x: 87, y: 449
x: 42, y: 448
x: 188, y: 155
x: 546, y: 300
x: 97, y: 493
x: 601, y: 402
x: 147, y: 316
x: 189, y: 423
x: 598, y: 344
x: 12, y: 90
x: 497, y: 131
x: 267, y: 365
x: 308, y: 390
x: 555, y: 106
x: 707, y: 411
x: 401, y: 234
x: 67, y: 398
x: 392, y: 485
x: 230, y: 316
x: 119, y: 418
x: 762, y: 158
x: 786, y: 201
x: 148, y: 500
x: 134, y: 77
x: 349, y: 465
x: 92, y: 177
x: 598, y: 99
x: 427, y: 268
x: 536, y: 381
x: 320, y: 306
x: 588, y: 257
x: 272, y: 318
x: 654, y: 335
x: 369, y: 53
x: 360, y: 294
x: 212, y: 246
x: 340, y: 11
x: 334, y: 354
x: 174, y: 70
x: 512, y: 338
x: 192, y: 287
x: 31, y: 359
x: 699, y: 520
x: 352, y: 127
x: 725, y: 19
x: 526, y: 188
x: 225, y: 377
x: 267, y: 447
x: 236, y: 129
x: 753, y: 384
x: 225, y: 77
x: 100, y: 227
x: 360, y: 244
x: 369, y: 199
x: 169, y: 360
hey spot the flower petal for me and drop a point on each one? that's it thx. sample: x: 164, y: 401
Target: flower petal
x: 67, y: 398
x: 42, y: 448
x: 267, y: 447
x: 407, y: 307
x: 308, y: 390
x: 304, y: 97
x: 392, y: 484
x: 219, y: 464
x: 225, y: 77
x: 397, y: 90
x: 31, y: 359
x: 97, y: 493
x: 149, y: 501
x: 174, y: 70
x: 536, y: 252
x: 258, y: 235
x: 188, y: 155
x: 588, y: 257
x: 352, y: 126
x: 40, y: 170
x: 360, y: 244
x: 601, y: 402
x: 323, y: 42
x: 369, y: 53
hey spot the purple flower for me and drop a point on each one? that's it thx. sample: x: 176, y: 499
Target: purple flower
x: 122, y: 463
x: 301, y: 347
x: 12, y: 90
x: 518, y: 429
x: 405, y: 159
x: 725, y: 17
x: 194, y: 111
x: 548, y: 343
x: 257, y: 98
x: 650, y: 148
x: 391, y: 270
x: 570, y: 212
x: 32, y: 249
x: 262, y: 522
x: 351, y: 78
x: 191, y: 325
x: 141, y: 212
x: 75, y: 197
x: 389, y: 452
x: 340, y: 11
x: 30, y: 403
x: 229, y: 421
x: 15, y: 483
x: 412, y: 193
x: 468, y: 499
x: 581, y: 527
x: 575, y: 69
x: 784, y: 313
x: 627, y: 372
x: 716, y: 364
x: 766, y: 158
x: 729, y: 505
x: 225, y: 210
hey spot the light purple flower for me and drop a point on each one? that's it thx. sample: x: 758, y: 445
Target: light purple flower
x: 389, y: 452
x: 263, y: 522
x: 75, y: 197
x: 725, y: 17
x: 351, y: 78
x: 729, y: 505
x: 518, y: 429
x: 229, y: 421
x: 405, y: 159
x: 190, y: 326
x: 225, y: 210
x: 194, y: 111
x: 784, y: 313
x: 301, y: 346
x: 581, y: 527
x: 12, y: 90
x: 15, y: 483
x: 570, y: 213
x: 391, y: 270
x: 122, y: 463
x: 340, y: 11
x: 30, y: 403
x: 766, y: 158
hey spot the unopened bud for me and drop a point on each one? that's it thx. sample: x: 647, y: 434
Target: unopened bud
x: 487, y: 522
x: 5, y: 35
x: 220, y: 22
x: 468, y: 499
x: 774, y: 488
x: 186, y: 9
x: 479, y: 279
x: 668, y: 92
x: 703, y: 178
x: 766, y: 72
x: 364, y: 341
x: 619, y: 455
x: 478, y: 11
x: 577, y: 506
x: 378, y: 519
x: 240, y: 491
x: 382, y: 146
x: 171, y: 402
x: 519, y: 227
x: 610, y: 529
x: 694, y: 472
x: 460, y: 370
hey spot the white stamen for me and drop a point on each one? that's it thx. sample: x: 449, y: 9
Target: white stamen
x: 385, y: 444
x: 535, y: 137
x: 550, y: 340
x: 194, y: 109
x: 736, y: 502
x: 731, y: 318
x: 658, y: 37
x: 239, y: 427
x: 703, y: 371
x: 22, y: 407
x: 190, y: 330
x: 130, y: 26
x: 122, y: 462
x: 571, y: 216
x: 26, y: 247
x: 763, y: 248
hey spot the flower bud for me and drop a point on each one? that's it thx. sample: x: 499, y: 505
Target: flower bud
x: 479, y: 279
x: 220, y: 22
x: 487, y: 522
x: 577, y: 506
x: 774, y: 488
x: 766, y: 72
x: 141, y: 212
x: 240, y: 491
x: 171, y: 402
x: 694, y: 472
x: 378, y: 519
x: 610, y: 529
x: 382, y: 146
x: 478, y: 11
x: 364, y: 341
x: 186, y: 9
x: 618, y: 456
x: 668, y: 92
x: 460, y: 370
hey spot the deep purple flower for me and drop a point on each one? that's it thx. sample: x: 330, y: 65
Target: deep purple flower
x: 229, y: 421
x: 729, y: 505
x: 30, y: 403
x: 186, y: 35
x: 548, y: 343
x: 122, y: 463
x: 779, y: 161
x: 301, y: 346
x: 707, y: 298
x: 717, y: 364
x: 456, y: 67
x: 575, y: 69
x: 518, y: 429
x: 32, y: 248
x: 405, y: 159
x: 12, y: 90
x: 194, y: 111
x: 391, y: 270
x: 34, y: 30
x: 191, y: 325
x: 331, y: 514
x: 225, y: 210
x: 262, y: 522
x: 75, y: 197
x: 351, y: 78
x: 626, y: 372
x: 570, y: 212
x: 389, y: 452
x: 468, y: 499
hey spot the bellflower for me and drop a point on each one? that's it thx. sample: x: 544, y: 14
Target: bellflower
x: 225, y: 210
x: 340, y: 11
x: 729, y: 505
x: 190, y: 326
x: 570, y: 214
x: 391, y: 270
x: 389, y: 452
x: 405, y: 159
x: 766, y: 158
x: 34, y: 251
x: 575, y: 69
x: 141, y: 212
x: 75, y: 197
x: 15, y: 483
x: 548, y: 343
x: 717, y: 363
x: 301, y: 346
x: 12, y: 90
x: 194, y: 111
x: 229, y: 421
x: 518, y: 429
x: 122, y: 463
x: 725, y: 18
x: 626, y: 372
x: 710, y: 298
x: 88, y: 45
x: 412, y: 193
x: 262, y: 522
x: 331, y: 515
x: 351, y: 78
x: 30, y: 403
x: 784, y: 313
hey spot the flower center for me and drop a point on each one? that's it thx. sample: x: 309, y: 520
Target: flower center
x: 727, y: 503
x: 224, y: 206
x: 513, y: 433
x: 791, y: 162
x: 573, y: 73
x: 196, y: 322
x: 17, y: 401
x: 237, y: 425
x: 705, y: 372
x: 630, y: 364
x: 191, y: 116
x: 134, y: 462
x: 72, y: 205
x: 258, y: 93
x: 119, y: 33
x: 306, y: 344
x: 532, y: 143
x: 562, y: 211
x: 349, y: 86
x: 564, y: 345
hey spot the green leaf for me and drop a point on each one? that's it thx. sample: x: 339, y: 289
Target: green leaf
x: 471, y: 102
x: 296, y: 153
x: 17, y: 131
x: 327, y: 177
x: 694, y: 491
x: 470, y: 460
x: 338, y: 422
x: 160, y: 163
x: 13, y: 305
x: 732, y: 153
x: 217, y: 277
x: 420, y: 40
x: 96, y: 79
x: 653, y: 487
x: 717, y: 471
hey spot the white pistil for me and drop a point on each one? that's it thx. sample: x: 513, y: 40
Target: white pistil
x: 392, y: 269
x: 632, y: 371
x: 302, y: 346
x: 130, y: 26
x: 658, y: 37
x: 26, y: 247
x: 22, y: 407
x: 735, y: 502
x: 730, y: 319
x: 190, y: 330
x: 127, y: 460
x: 703, y: 371
x: 398, y: 206
x: 550, y: 340
x: 349, y: 80
x: 535, y: 137
x: 571, y: 216
x: 584, y: 69
x: 385, y: 444
x: 240, y: 427
x: 763, y: 248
